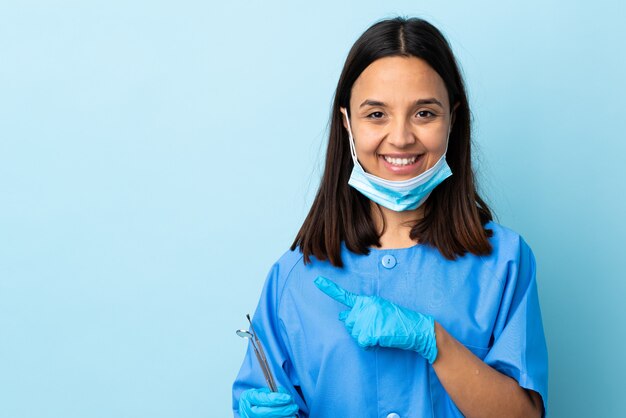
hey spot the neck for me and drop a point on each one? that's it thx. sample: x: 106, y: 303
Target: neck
x: 397, y: 225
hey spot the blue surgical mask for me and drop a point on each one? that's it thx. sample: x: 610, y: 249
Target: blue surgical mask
x: 397, y: 195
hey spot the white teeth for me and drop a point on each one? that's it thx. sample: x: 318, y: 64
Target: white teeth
x: 399, y: 161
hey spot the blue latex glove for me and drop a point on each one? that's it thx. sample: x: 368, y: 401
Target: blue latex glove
x: 263, y: 403
x: 373, y: 321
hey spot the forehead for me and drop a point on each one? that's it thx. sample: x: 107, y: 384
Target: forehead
x: 398, y: 80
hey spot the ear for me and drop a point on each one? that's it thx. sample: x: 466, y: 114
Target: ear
x: 343, y: 117
x: 453, y: 113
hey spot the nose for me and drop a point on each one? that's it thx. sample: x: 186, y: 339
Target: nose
x: 400, y: 134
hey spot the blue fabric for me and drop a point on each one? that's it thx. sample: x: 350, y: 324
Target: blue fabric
x: 489, y: 303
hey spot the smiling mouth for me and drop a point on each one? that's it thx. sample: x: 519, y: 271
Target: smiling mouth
x: 401, y: 161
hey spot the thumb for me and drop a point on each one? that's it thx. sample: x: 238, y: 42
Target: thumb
x: 343, y: 315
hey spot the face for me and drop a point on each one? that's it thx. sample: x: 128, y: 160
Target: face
x: 400, y: 115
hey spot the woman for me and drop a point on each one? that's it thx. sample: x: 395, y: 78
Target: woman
x: 400, y: 297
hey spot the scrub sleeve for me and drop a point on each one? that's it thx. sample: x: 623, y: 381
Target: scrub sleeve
x: 270, y: 331
x: 519, y: 348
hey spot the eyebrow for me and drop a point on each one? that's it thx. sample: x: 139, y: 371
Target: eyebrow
x: 430, y: 100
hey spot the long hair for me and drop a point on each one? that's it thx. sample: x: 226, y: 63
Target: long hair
x: 454, y: 213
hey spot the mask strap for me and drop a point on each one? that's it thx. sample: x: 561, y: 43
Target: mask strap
x: 445, y: 153
x: 448, y: 139
x: 351, y: 139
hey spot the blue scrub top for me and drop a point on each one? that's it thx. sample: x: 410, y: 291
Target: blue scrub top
x: 488, y: 303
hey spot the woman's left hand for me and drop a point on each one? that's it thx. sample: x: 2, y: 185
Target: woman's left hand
x: 372, y: 320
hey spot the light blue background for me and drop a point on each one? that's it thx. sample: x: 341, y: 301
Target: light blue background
x: 157, y: 157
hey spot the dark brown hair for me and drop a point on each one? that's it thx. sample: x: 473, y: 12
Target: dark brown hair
x: 454, y: 213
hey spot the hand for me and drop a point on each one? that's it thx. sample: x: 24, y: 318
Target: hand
x: 263, y: 403
x: 373, y: 321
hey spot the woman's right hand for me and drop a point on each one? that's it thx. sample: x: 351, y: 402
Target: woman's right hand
x: 263, y: 403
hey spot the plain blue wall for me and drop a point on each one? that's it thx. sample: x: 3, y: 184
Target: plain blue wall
x: 157, y: 157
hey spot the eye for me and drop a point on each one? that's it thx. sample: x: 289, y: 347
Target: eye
x: 425, y: 114
x: 371, y: 115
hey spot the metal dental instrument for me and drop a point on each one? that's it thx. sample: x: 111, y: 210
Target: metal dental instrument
x: 260, y: 354
x: 271, y: 381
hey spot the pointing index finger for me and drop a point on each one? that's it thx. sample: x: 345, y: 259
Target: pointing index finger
x: 336, y: 292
